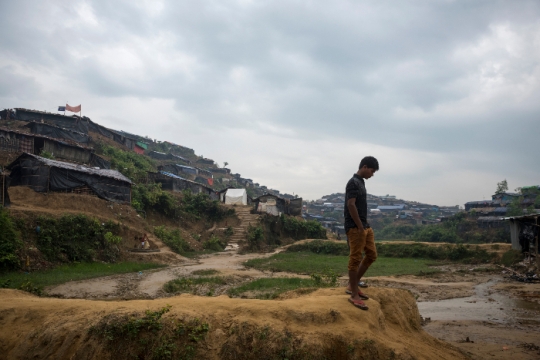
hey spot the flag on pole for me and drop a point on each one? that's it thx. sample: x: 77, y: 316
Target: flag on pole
x: 73, y: 108
x: 61, y: 108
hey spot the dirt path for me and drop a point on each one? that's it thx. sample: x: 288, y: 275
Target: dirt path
x: 149, y: 284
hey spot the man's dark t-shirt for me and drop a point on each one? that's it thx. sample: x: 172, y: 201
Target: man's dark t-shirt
x: 356, y: 188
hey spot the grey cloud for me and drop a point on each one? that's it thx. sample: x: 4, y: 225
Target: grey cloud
x: 321, y: 70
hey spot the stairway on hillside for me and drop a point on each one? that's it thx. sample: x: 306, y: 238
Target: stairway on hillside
x: 240, y: 231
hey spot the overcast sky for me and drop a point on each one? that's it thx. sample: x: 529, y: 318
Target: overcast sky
x: 292, y: 94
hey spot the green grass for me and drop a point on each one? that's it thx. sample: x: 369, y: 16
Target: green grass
x: 270, y: 288
x: 205, y: 272
x: 309, y: 263
x: 187, y: 284
x: 65, y: 273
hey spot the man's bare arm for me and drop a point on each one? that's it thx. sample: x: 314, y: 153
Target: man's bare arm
x: 354, y: 213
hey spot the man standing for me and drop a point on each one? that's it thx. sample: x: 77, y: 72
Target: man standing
x: 359, y: 233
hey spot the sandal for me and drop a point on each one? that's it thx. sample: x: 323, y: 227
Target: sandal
x: 358, y: 303
x: 361, y: 294
x: 362, y: 284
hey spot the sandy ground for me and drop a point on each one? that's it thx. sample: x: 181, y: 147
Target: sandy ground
x: 35, y: 327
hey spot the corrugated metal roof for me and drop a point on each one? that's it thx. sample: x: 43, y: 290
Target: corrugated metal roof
x: 528, y: 216
x: 69, y: 166
x: 172, y: 175
x: 143, y: 145
x: 181, y: 178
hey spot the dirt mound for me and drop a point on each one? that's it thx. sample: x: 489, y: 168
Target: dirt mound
x: 318, y: 325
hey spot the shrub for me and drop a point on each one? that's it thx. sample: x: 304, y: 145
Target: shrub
x: 9, y: 243
x: 214, y: 244
x: 129, y: 163
x: 173, y: 239
x: 150, y: 336
x: 229, y: 231
x: 255, y: 237
x: 76, y: 238
x: 152, y: 197
x: 112, y: 239
x: 511, y: 257
x: 300, y: 229
x: 436, y: 233
x: 200, y: 205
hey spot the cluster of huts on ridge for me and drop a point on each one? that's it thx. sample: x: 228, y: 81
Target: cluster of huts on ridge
x: 52, y: 152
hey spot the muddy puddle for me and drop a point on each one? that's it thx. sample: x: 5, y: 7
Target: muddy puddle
x: 484, y: 305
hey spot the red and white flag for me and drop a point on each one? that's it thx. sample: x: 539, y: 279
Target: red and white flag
x: 73, y: 108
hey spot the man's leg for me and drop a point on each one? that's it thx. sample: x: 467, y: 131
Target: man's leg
x: 371, y: 254
x: 357, y: 242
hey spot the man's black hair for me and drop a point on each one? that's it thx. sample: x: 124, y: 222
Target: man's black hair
x: 370, y: 162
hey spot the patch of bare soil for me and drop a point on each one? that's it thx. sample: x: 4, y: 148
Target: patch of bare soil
x: 320, y: 323
x: 477, y: 310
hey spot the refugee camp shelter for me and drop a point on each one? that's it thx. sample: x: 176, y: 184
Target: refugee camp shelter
x: 158, y: 155
x: 56, y: 132
x: 177, y: 169
x: 44, y: 175
x: 17, y: 141
x: 4, y: 184
x: 520, y: 226
x: 175, y: 183
x: 236, y: 197
x: 275, y: 205
x: 73, y: 122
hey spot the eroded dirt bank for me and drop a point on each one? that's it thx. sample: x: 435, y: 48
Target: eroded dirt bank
x: 322, y: 323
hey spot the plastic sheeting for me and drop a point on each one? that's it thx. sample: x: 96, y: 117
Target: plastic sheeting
x: 43, y: 175
x: 66, y: 122
x: 97, y: 161
x: 4, y: 195
x: 236, y: 197
x: 58, y: 133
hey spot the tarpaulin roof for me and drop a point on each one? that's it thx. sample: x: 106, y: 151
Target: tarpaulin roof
x: 58, y: 132
x: 44, y: 175
x: 186, y: 180
x: 80, y: 168
x: 63, y: 142
x: 72, y: 122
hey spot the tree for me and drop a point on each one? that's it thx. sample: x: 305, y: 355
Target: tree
x: 502, y: 187
x: 515, y: 208
x: 225, y: 164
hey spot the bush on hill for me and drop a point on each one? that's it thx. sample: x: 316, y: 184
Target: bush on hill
x: 173, y: 239
x: 131, y: 164
x: 300, y: 229
x: 456, y: 229
x: 196, y: 206
x: 151, y: 197
x: 201, y: 206
x: 9, y: 243
x: 76, y: 238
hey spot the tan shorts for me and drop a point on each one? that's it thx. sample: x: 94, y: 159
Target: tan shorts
x: 361, y: 241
